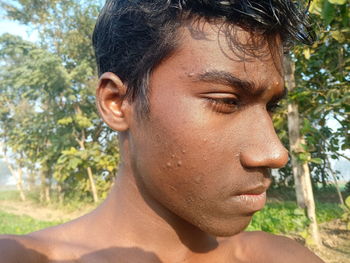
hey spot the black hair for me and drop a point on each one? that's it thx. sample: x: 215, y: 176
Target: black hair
x: 131, y: 37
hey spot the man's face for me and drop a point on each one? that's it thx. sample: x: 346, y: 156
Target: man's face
x: 205, y: 150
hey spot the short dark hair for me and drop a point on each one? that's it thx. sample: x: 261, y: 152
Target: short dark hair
x: 131, y: 37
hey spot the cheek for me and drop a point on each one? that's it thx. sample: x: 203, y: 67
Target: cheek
x: 188, y: 163
x: 181, y: 167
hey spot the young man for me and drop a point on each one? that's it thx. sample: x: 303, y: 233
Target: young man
x: 190, y: 86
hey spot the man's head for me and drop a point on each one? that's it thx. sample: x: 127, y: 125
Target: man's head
x: 211, y: 73
x: 133, y: 36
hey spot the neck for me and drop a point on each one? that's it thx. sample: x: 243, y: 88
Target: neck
x: 135, y: 219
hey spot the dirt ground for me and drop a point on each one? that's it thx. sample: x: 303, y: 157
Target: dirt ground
x: 335, y: 236
x: 336, y: 242
x: 41, y: 213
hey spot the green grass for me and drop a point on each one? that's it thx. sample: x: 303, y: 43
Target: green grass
x: 21, y: 224
x: 9, y: 195
x: 277, y: 217
x: 285, y: 217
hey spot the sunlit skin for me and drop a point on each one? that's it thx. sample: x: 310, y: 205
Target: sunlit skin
x: 192, y: 173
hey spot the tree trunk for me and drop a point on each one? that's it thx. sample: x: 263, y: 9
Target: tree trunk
x: 42, y: 187
x: 89, y: 170
x: 341, y: 200
x: 301, y: 172
x: 20, y: 184
x: 31, y: 181
x: 45, y: 196
x: 18, y: 178
x: 310, y: 203
x: 92, y: 185
x: 60, y: 193
x: 48, y: 186
x: 47, y: 193
x: 294, y: 136
x: 324, y: 182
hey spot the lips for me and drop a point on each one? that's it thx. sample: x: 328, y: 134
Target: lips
x: 250, y: 202
x: 258, y: 190
x: 253, y: 199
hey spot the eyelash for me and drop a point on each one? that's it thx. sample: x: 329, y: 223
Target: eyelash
x: 228, y: 105
x: 224, y: 105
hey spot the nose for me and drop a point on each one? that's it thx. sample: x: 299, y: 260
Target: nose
x: 263, y: 148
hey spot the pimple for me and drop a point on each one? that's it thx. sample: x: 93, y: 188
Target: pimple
x: 198, y: 179
x: 201, y: 198
x: 190, y: 75
x: 189, y: 199
x: 277, y: 84
x: 168, y: 164
x: 179, y: 163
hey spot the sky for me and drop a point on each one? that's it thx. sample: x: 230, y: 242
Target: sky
x: 14, y: 28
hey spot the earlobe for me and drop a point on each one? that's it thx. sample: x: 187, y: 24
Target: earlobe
x: 111, y: 101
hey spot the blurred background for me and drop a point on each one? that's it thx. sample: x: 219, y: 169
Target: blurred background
x: 58, y: 159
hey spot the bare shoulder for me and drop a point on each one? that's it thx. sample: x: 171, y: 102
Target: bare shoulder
x: 264, y: 247
x: 48, y: 245
x: 20, y: 249
x: 43, y: 246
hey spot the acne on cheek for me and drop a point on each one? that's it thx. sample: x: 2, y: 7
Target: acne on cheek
x: 172, y: 164
x: 198, y: 179
x: 182, y: 172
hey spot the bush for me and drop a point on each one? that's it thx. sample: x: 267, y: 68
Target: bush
x: 286, y: 217
x: 347, y: 188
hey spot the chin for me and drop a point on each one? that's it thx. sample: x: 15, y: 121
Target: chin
x: 227, y: 229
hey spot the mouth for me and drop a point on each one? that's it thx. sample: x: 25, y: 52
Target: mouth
x: 258, y: 190
x: 251, y: 202
x: 253, y: 199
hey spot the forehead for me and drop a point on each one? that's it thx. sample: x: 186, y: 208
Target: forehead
x: 208, y: 46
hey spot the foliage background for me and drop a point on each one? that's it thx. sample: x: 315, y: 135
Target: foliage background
x: 56, y: 146
x: 61, y: 154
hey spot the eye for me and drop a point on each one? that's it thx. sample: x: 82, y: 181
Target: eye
x: 219, y: 103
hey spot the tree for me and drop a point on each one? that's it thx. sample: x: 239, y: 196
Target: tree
x: 322, y: 74
x: 59, y: 89
x: 317, y: 79
x: 300, y: 168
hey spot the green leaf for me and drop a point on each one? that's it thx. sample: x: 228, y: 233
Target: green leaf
x: 316, y: 160
x: 316, y: 7
x: 339, y: 36
x: 74, y: 163
x: 337, y: 2
x: 328, y: 12
x: 307, y: 53
x: 83, y: 121
x: 65, y: 121
x: 299, y: 212
x: 347, y: 202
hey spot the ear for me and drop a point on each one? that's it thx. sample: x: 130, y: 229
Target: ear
x: 111, y: 102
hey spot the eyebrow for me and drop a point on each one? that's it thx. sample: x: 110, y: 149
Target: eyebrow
x: 226, y: 78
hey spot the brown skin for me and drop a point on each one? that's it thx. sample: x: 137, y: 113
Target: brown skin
x: 197, y: 168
